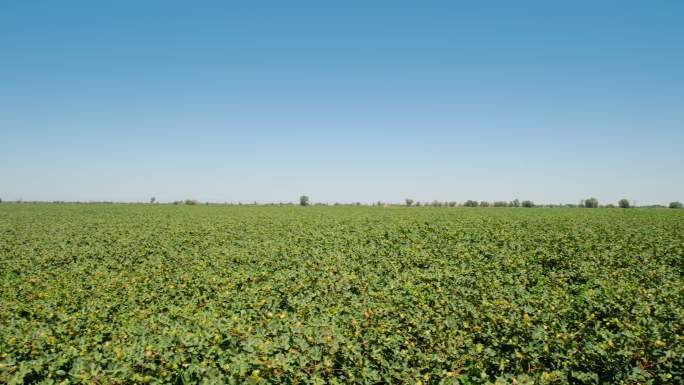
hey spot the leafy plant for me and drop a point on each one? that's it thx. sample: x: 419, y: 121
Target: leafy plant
x: 123, y: 294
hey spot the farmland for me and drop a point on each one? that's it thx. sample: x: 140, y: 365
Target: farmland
x: 113, y: 294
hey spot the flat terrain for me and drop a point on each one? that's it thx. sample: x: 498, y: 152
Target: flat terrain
x: 222, y: 294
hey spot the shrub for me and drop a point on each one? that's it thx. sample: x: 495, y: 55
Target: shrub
x: 624, y: 203
x: 470, y: 203
x: 484, y: 204
x: 500, y: 204
x: 528, y: 204
x: 675, y: 205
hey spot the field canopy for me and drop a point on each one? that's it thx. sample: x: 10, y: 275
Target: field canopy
x: 110, y: 294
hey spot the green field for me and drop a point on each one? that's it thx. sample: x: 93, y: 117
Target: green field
x: 105, y: 294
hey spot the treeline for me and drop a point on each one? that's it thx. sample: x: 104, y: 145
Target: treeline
x: 304, y: 200
x: 590, y: 203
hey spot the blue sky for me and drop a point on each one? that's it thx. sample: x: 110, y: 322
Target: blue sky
x: 342, y: 100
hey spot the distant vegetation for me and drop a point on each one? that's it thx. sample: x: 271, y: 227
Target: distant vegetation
x: 304, y: 200
x: 590, y: 203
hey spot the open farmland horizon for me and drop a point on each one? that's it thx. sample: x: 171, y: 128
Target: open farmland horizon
x: 342, y: 192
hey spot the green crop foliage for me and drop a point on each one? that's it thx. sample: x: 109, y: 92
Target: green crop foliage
x: 123, y: 294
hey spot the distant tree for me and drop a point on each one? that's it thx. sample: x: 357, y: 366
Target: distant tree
x: 409, y: 202
x: 624, y: 203
x: 190, y: 202
x: 470, y: 203
x: 514, y: 203
x: 0, y: 200
x: 591, y: 203
x: 303, y: 200
x: 452, y: 204
x: 676, y: 205
x: 611, y: 206
x: 500, y: 204
x: 527, y: 204
x: 418, y: 204
x: 153, y: 200
x: 357, y: 204
x: 484, y: 204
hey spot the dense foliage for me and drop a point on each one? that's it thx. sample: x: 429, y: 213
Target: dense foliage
x: 110, y: 294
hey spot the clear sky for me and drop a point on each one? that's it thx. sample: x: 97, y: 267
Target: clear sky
x: 342, y: 100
